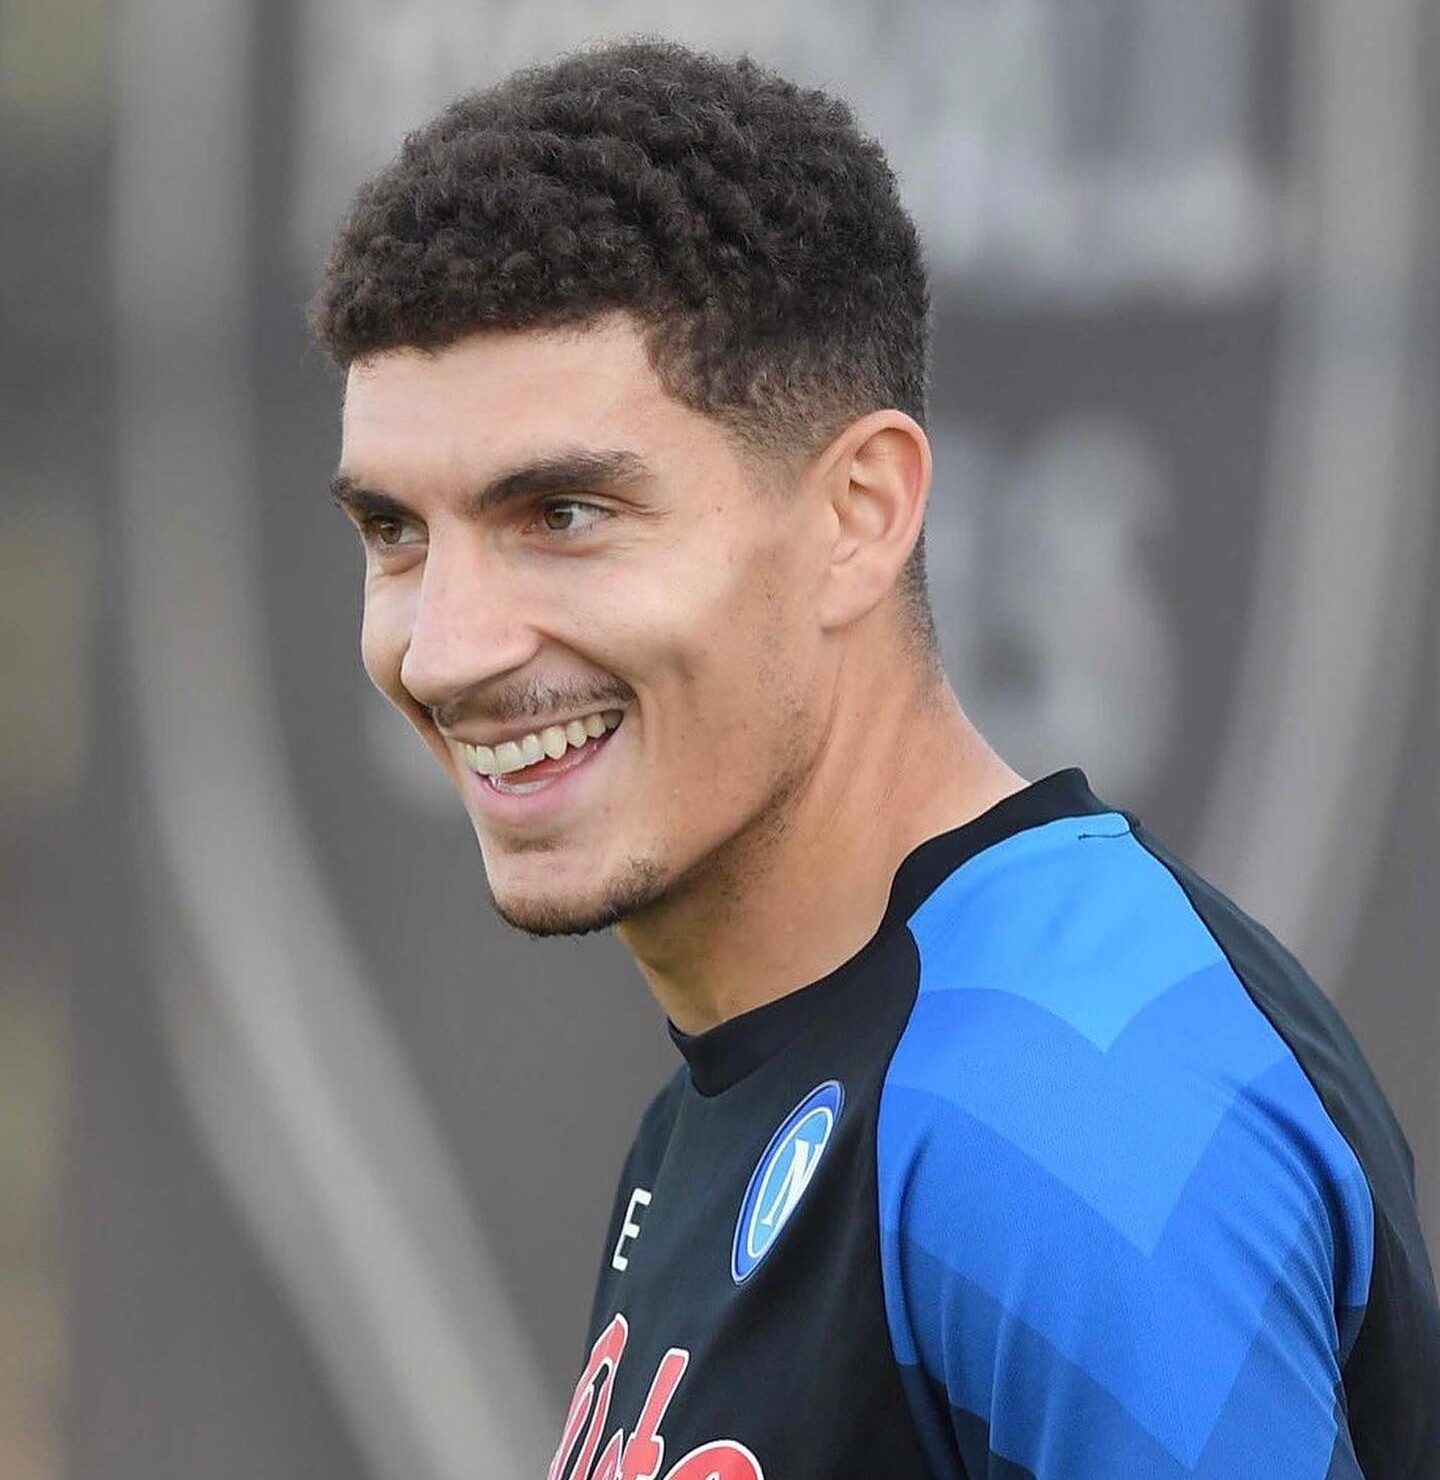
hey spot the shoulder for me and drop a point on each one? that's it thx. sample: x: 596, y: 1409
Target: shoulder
x: 653, y: 1133
x: 1074, y: 1010
x: 1100, y: 1166
x: 642, y: 1162
x: 647, y: 1149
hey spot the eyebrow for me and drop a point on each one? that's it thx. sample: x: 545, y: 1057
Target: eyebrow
x: 563, y: 472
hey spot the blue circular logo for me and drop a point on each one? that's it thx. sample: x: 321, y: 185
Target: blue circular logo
x: 782, y: 1174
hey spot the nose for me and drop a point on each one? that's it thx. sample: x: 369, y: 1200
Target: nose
x: 466, y: 628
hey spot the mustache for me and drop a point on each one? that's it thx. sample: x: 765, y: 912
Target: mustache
x: 532, y: 700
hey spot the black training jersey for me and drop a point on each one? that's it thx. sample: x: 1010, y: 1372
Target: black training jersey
x: 1070, y: 1173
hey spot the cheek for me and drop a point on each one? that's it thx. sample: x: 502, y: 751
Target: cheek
x: 741, y: 672
x: 384, y: 636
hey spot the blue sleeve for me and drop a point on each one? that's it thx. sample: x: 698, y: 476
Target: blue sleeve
x: 1119, y: 1234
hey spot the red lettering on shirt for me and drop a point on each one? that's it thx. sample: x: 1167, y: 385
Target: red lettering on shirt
x: 642, y: 1456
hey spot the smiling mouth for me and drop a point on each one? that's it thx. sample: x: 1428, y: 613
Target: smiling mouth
x: 529, y: 762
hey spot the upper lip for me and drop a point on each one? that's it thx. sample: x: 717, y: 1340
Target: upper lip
x: 499, y: 736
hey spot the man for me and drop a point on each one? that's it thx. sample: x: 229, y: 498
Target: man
x: 1003, y: 1145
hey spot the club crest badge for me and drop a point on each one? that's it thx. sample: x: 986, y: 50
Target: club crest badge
x: 782, y: 1174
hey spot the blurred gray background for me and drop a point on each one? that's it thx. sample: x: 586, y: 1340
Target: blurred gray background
x: 304, y: 1159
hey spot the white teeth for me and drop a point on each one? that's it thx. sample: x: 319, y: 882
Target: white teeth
x: 526, y: 750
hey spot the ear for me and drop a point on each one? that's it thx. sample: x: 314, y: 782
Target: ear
x: 876, y: 477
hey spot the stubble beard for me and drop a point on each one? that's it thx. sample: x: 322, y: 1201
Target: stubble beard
x: 720, y: 876
x: 642, y: 883
x: 718, y: 881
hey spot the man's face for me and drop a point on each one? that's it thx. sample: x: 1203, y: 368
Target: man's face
x: 552, y: 543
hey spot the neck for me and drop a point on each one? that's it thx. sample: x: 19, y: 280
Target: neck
x: 788, y: 905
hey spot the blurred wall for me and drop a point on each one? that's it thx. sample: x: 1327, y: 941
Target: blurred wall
x: 338, y: 1147
x: 54, y: 463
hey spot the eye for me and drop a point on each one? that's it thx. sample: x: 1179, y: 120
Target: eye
x: 386, y: 532
x: 570, y: 515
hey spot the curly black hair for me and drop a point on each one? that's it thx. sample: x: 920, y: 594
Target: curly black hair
x: 754, y: 234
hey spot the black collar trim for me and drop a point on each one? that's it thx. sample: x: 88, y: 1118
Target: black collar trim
x: 725, y: 1054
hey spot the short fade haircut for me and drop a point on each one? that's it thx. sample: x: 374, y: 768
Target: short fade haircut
x: 751, y: 230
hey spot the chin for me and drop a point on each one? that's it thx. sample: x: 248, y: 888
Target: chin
x: 641, y: 884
